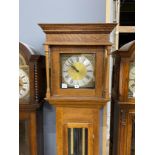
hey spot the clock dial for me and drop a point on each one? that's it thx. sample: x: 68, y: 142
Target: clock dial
x: 131, y: 86
x: 132, y: 72
x: 78, y: 71
x: 23, y: 83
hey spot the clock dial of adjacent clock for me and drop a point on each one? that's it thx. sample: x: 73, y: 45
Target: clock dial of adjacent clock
x: 132, y: 72
x: 132, y: 85
x: 23, y: 83
x: 78, y: 71
x: 132, y: 80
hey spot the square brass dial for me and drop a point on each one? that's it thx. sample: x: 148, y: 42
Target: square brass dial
x: 77, y: 70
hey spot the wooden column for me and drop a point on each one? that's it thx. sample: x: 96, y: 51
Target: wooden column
x: 46, y: 47
x: 117, y: 13
x: 106, y: 91
x: 83, y: 141
x: 106, y: 95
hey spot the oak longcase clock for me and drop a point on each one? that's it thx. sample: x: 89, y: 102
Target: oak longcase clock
x: 77, y: 69
x: 31, y: 94
x: 123, y: 101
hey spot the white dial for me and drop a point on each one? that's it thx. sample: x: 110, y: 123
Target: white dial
x: 23, y: 83
x: 132, y: 80
x: 132, y: 86
x: 132, y: 73
x: 78, y: 71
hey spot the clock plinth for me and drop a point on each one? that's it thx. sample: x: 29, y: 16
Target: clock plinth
x: 77, y: 69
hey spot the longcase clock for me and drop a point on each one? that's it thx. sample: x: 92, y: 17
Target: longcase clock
x: 31, y: 94
x: 77, y: 69
x: 122, y: 137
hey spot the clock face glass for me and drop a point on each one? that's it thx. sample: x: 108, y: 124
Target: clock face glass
x: 131, y: 85
x: 23, y: 83
x: 77, y: 71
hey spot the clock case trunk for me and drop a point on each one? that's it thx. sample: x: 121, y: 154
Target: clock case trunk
x: 31, y: 110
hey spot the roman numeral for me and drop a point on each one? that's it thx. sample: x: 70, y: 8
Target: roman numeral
x: 82, y: 59
x: 71, y: 81
x: 67, y: 65
x: 77, y: 59
x: 67, y: 76
x: 83, y: 81
x: 87, y: 77
x: 23, y: 76
x: 87, y: 65
x: 71, y: 61
x: 90, y: 71
x: 23, y: 89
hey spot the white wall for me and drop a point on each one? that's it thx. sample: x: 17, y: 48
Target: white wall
x: 32, y: 12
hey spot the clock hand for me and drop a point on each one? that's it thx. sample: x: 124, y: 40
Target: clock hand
x: 75, y: 68
x: 71, y: 64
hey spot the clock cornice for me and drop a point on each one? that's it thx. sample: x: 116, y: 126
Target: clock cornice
x: 91, y: 34
x: 80, y: 27
x: 126, y: 51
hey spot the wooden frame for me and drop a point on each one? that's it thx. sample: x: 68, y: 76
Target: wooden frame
x: 85, y: 117
x: 56, y: 72
x: 89, y: 126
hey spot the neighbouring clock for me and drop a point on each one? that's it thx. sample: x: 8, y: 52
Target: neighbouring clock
x: 31, y: 99
x: 131, y: 91
x: 78, y: 70
x: 122, y: 126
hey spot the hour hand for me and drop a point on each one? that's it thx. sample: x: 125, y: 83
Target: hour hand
x: 75, y: 68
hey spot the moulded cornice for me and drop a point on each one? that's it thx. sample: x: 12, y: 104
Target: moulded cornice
x: 73, y: 28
